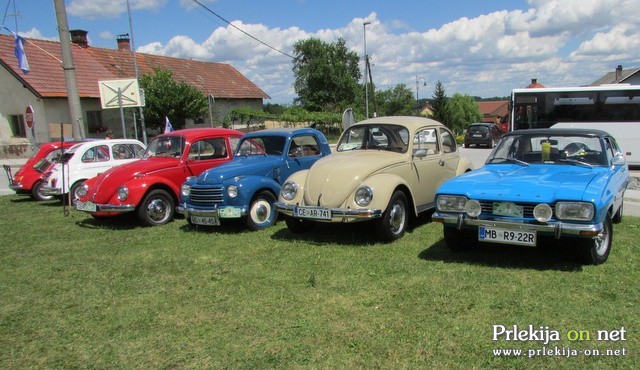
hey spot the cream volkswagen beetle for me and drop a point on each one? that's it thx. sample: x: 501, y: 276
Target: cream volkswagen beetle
x: 384, y: 170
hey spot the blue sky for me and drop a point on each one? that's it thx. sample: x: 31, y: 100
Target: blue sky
x: 483, y: 48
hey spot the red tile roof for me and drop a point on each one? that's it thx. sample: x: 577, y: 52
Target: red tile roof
x: 494, y: 108
x: 46, y: 77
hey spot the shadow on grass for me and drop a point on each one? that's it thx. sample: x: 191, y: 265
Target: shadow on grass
x: 506, y: 256
x: 348, y: 234
x: 122, y: 222
x: 228, y: 226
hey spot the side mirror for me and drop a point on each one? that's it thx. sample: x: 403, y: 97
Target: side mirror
x: 619, y: 160
x: 420, y: 153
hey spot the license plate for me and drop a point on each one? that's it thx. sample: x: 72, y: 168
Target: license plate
x: 477, y: 135
x: 205, y: 220
x: 506, y: 236
x: 229, y: 212
x: 86, y: 206
x: 312, y: 212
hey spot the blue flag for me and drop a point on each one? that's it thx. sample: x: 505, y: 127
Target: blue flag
x: 23, y: 64
x: 167, y: 126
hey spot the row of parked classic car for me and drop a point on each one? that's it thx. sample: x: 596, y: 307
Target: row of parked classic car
x: 538, y: 187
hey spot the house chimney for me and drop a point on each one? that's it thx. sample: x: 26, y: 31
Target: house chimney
x: 124, y: 43
x: 618, y: 73
x: 534, y: 81
x: 79, y: 37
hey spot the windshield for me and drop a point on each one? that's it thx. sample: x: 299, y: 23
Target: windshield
x: 261, y: 145
x: 375, y: 137
x: 165, y: 146
x: 550, y: 149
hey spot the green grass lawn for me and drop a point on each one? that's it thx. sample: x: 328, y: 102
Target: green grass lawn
x: 77, y: 292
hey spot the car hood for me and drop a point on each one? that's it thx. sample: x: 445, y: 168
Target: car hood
x: 253, y: 165
x: 535, y: 183
x: 333, y: 178
x: 104, y: 185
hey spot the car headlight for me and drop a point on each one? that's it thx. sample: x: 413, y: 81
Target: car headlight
x: 363, y: 196
x: 577, y: 211
x: 232, y: 191
x: 451, y: 203
x: 122, y: 193
x: 185, y: 190
x: 473, y: 208
x: 289, y: 190
x: 542, y: 212
x: 82, y: 190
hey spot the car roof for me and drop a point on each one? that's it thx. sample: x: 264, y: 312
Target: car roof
x: 560, y: 132
x: 408, y: 121
x: 105, y: 142
x: 282, y: 131
x: 482, y: 124
x: 191, y: 134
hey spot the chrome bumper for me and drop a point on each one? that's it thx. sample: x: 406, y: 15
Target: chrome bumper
x: 47, y: 190
x: 336, y: 213
x: 557, y: 229
x: 121, y: 208
x: 188, y: 211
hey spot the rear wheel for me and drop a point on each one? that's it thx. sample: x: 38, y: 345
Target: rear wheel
x: 395, y: 218
x: 262, y: 213
x: 157, y: 208
x: 36, y: 192
x: 596, y: 251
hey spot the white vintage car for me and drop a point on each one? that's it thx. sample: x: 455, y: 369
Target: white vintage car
x: 384, y: 170
x: 86, y: 160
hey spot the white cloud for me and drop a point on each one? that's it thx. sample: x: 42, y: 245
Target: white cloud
x: 560, y: 42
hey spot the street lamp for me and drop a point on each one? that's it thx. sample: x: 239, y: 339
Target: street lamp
x: 418, y: 88
x: 366, y: 66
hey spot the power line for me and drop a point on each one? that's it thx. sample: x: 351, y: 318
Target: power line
x: 241, y: 30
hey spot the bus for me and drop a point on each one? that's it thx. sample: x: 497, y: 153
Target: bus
x: 611, y: 108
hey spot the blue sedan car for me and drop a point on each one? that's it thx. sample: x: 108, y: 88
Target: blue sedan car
x: 564, y: 184
x: 247, y: 187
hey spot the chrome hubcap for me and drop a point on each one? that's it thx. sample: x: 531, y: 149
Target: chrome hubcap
x: 157, y: 210
x: 260, y: 211
x: 397, y: 218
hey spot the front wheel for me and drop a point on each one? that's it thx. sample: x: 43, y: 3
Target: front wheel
x: 596, y: 251
x: 36, y: 192
x: 395, y: 218
x: 262, y: 213
x: 157, y: 208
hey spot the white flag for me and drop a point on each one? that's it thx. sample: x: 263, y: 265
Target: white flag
x: 167, y: 126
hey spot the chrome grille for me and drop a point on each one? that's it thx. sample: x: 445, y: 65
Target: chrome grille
x: 487, y: 208
x: 206, y: 196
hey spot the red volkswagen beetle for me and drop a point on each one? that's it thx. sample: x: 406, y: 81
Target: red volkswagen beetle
x: 150, y: 186
x: 28, y: 179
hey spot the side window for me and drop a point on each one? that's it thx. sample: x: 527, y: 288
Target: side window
x: 102, y: 153
x: 96, y: 154
x: 122, y: 151
x: 426, y: 139
x: 54, y: 155
x: 303, y: 146
x: 448, y: 142
x: 208, y: 149
x: 138, y: 150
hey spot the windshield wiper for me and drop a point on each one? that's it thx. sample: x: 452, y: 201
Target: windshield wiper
x: 574, y: 161
x: 510, y: 160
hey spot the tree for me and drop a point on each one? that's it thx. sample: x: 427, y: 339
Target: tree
x: 396, y: 101
x: 326, y: 75
x: 164, y: 97
x: 463, y: 110
x: 439, y: 104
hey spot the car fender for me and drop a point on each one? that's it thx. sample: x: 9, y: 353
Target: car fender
x: 383, y: 186
x: 139, y: 187
x: 464, y: 165
x: 248, y: 186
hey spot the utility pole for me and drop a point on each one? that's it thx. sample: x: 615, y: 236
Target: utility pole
x: 69, y: 71
x: 135, y: 69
